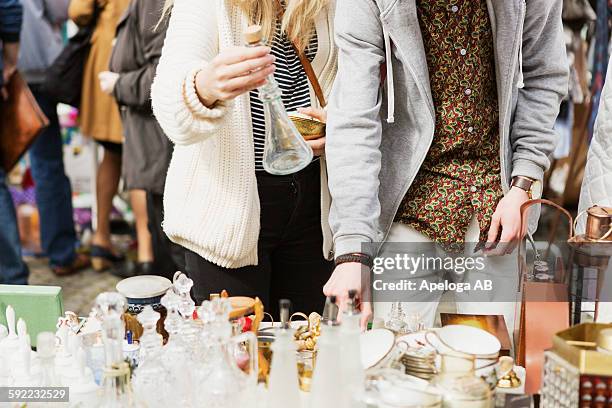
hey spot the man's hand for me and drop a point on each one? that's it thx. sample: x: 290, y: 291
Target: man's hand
x: 317, y: 145
x: 507, y: 216
x: 347, y: 276
x: 107, y: 81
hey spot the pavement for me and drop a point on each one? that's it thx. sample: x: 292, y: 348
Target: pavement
x: 79, y: 290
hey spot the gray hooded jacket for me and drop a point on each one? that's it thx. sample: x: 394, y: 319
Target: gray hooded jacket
x: 372, y: 161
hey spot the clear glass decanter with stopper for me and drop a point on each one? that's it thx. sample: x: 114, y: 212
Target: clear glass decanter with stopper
x: 175, y: 354
x: 285, y: 150
x: 117, y: 389
x: 150, y: 379
x: 191, y: 327
x: 223, y: 383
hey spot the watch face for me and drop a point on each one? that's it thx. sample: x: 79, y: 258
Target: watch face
x: 536, y: 190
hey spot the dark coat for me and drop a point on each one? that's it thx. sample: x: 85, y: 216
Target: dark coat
x: 146, y: 150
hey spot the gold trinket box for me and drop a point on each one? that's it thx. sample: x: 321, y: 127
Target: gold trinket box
x: 579, y: 345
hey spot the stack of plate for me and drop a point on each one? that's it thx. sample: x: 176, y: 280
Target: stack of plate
x: 419, y: 356
x: 419, y: 362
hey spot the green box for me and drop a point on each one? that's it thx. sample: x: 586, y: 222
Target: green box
x: 39, y: 306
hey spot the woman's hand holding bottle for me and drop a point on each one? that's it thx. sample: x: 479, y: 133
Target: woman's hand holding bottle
x: 234, y: 72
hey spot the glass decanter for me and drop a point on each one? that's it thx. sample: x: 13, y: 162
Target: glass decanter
x: 117, y: 393
x: 151, y: 378
x: 224, y: 383
x: 191, y: 328
x: 285, y: 150
x: 175, y: 354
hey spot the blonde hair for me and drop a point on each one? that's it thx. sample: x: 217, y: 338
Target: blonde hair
x: 298, y: 19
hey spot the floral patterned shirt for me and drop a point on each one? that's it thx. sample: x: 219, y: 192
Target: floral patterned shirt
x: 461, y: 174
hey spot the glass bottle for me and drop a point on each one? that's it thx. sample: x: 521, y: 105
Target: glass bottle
x: 117, y: 393
x: 224, y: 383
x: 191, y: 328
x: 353, y: 374
x: 459, y: 385
x: 45, y: 346
x: 151, y: 379
x: 283, y: 384
x: 285, y: 150
x: 325, y: 392
x: 175, y: 354
x: 396, y: 319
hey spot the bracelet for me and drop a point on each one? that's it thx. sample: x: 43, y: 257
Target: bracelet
x: 358, y: 257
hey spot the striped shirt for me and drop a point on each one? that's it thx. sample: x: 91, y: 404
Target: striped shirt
x: 292, y: 81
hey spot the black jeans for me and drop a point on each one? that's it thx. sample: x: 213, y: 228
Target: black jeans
x: 291, y: 262
x: 168, y: 256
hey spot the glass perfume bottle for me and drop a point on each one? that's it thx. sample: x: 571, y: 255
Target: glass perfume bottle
x: 150, y: 380
x: 285, y: 150
x: 191, y: 328
x: 175, y: 354
x: 110, y: 306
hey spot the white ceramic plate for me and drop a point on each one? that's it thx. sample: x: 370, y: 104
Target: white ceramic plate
x: 470, y: 340
x: 144, y: 286
x: 375, y: 344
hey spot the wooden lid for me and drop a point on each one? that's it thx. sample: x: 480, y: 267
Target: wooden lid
x: 253, y: 34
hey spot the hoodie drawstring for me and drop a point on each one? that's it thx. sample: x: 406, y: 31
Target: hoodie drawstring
x: 389, y: 66
x: 390, y: 85
x: 521, y: 79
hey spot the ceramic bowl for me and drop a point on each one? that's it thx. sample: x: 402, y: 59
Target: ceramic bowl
x: 143, y: 290
x: 470, y: 340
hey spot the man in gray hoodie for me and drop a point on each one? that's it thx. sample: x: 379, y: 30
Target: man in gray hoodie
x: 41, y: 43
x: 470, y: 90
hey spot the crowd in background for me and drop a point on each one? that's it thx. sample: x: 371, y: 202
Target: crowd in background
x: 115, y: 111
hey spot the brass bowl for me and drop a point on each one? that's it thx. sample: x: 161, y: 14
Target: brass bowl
x: 308, y: 127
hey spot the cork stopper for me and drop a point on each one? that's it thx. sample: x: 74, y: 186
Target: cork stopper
x: 253, y: 35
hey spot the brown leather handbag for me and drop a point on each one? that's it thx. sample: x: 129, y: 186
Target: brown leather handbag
x: 21, y: 122
x: 545, y: 306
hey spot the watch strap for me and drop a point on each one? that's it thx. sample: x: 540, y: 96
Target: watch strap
x: 361, y: 258
x: 524, y: 183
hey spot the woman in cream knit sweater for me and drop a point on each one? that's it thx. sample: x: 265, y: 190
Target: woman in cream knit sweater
x: 246, y: 231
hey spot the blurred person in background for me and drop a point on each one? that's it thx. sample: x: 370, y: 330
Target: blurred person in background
x: 146, y: 149
x: 12, y: 268
x: 597, y: 186
x: 41, y: 43
x: 100, y: 119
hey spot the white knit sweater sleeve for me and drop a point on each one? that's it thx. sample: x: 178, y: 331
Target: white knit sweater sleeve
x: 191, y: 43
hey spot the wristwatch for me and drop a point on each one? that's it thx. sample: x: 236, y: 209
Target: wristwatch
x: 533, y: 188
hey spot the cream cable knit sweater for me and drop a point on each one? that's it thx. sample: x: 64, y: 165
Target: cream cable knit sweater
x: 211, y: 202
